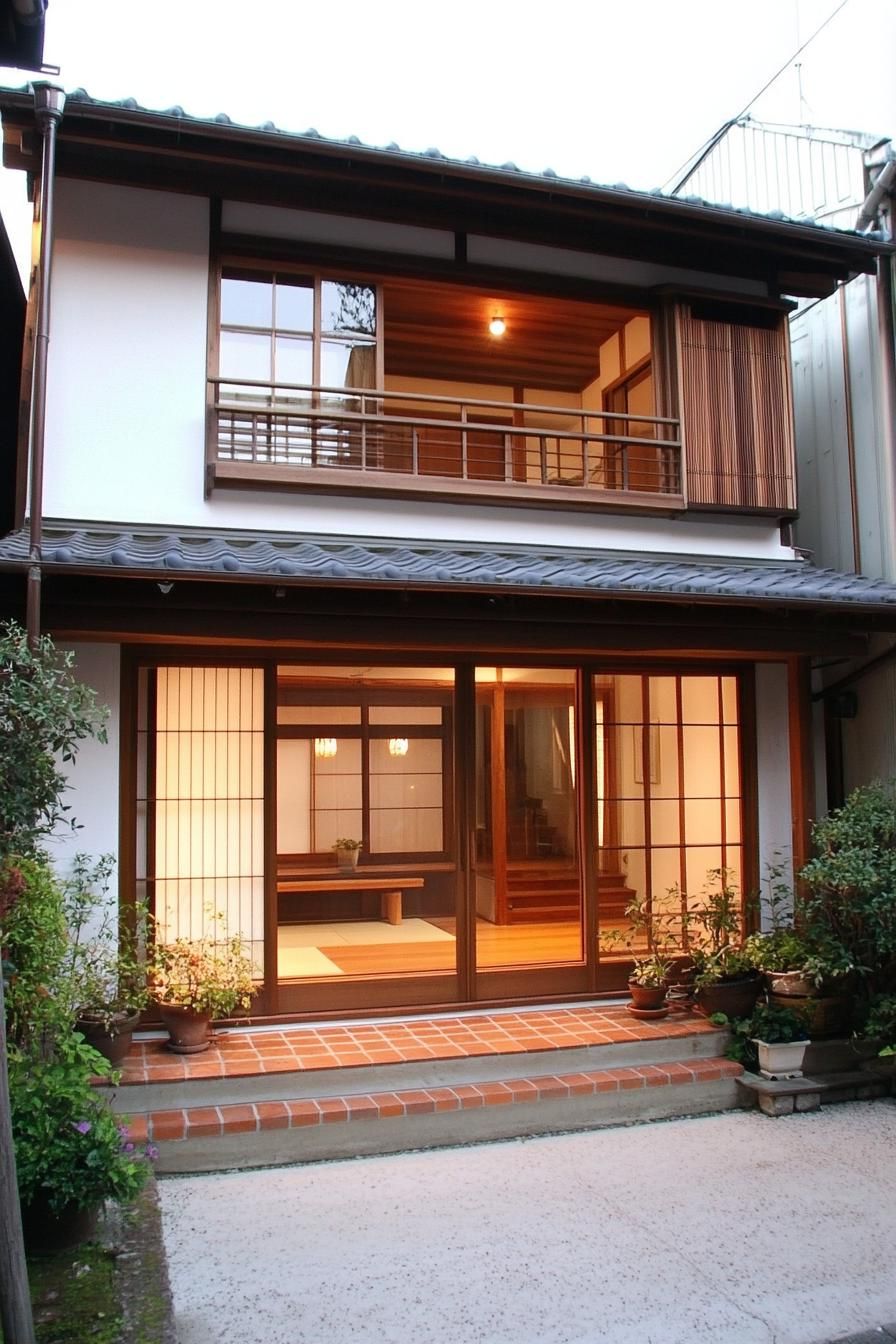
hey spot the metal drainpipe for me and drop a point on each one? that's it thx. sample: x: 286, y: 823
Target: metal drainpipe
x: 886, y: 319
x: 49, y: 104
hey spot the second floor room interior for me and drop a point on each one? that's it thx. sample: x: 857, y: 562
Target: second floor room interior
x: 432, y: 380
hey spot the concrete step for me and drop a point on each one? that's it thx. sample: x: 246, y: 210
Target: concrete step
x: 267, y: 1133
x: 300, y: 1093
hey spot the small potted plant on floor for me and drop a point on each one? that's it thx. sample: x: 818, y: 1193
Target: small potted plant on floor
x: 347, y: 852
x: 195, y: 980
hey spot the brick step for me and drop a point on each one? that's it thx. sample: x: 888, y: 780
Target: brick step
x: 234, y: 1075
x: 355, y: 1123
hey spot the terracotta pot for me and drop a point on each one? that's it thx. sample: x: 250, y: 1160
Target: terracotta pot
x: 47, y: 1231
x: 823, y: 1015
x: 113, y: 1041
x: 734, y: 998
x: 789, y: 983
x: 647, y: 996
x: 187, y: 1029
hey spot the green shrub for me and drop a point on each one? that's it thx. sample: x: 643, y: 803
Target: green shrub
x: 44, y: 713
x: 850, y: 902
x: 70, y: 1148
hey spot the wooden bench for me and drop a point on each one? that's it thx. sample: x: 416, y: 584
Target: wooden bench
x: 390, y: 889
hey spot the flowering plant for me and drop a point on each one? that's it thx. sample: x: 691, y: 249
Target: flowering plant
x: 70, y: 1149
x: 210, y: 975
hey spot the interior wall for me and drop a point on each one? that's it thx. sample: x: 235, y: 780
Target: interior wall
x: 773, y: 773
x: 93, y: 794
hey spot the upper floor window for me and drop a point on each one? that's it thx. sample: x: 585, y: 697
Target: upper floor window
x: 291, y: 333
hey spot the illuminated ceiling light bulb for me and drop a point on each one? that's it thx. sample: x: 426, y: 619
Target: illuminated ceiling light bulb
x: 497, y: 326
x: 324, y: 747
x: 398, y: 746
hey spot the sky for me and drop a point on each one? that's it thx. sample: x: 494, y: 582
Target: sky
x: 623, y: 92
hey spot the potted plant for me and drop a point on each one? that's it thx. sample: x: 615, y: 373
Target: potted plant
x: 72, y: 1153
x: 195, y: 980
x: 726, y: 979
x: 648, y: 983
x: 772, y: 1038
x: 347, y: 852
x: 104, y: 967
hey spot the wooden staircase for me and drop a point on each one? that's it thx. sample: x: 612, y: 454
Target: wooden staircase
x: 548, y: 891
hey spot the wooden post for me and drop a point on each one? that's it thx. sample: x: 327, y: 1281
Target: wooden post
x: 15, y: 1296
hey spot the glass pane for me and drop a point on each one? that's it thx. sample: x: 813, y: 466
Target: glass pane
x: 318, y: 714
x: 703, y: 821
x: 245, y: 355
x: 526, y: 872
x: 665, y: 826
x: 246, y: 303
x: 729, y: 699
x: 348, y: 307
x: 347, y: 364
x: 625, y: 705
x: 293, y: 360
x: 294, y: 304
x: 702, y: 762
x: 700, y: 699
x: 402, y: 714
x: 663, y: 700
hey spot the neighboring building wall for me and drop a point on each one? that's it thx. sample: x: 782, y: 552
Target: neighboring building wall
x: 126, y: 406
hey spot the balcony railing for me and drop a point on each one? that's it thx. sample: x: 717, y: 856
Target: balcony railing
x: 326, y: 436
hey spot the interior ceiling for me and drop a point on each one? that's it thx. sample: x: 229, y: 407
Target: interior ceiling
x: 436, y: 330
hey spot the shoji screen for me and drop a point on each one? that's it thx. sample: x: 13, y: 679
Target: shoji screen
x: 206, y: 790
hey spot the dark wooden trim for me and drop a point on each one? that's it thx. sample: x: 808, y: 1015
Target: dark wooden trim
x: 802, y: 785
x: 355, y: 263
x: 499, y: 803
x: 127, y: 788
x: 269, y: 747
x: 749, y: 783
x: 213, y: 341
x: 465, y: 828
x: 347, y: 481
x: 587, y: 834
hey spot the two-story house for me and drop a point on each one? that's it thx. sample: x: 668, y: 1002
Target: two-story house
x: 442, y: 507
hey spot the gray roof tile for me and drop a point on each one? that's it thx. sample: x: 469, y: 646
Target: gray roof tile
x: 380, y: 562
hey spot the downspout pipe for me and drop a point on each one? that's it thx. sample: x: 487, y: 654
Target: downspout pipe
x: 49, y: 104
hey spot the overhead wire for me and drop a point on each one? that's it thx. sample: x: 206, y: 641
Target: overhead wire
x: 694, y: 160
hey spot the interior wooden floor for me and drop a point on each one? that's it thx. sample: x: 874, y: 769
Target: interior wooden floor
x: 537, y: 944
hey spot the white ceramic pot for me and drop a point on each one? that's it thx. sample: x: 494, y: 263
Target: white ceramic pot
x: 781, y: 1060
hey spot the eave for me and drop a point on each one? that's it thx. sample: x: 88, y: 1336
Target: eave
x: 168, y: 150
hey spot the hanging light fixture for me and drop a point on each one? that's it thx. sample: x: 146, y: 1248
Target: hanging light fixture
x: 398, y: 746
x: 497, y: 326
x: 324, y: 748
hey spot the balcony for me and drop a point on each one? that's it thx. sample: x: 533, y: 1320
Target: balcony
x: 398, y: 443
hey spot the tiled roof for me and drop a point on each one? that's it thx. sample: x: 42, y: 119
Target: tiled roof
x: 380, y: 562
x: 352, y: 142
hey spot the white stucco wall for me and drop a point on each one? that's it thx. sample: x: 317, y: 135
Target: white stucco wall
x: 126, y: 405
x: 773, y: 770
x: 93, y: 793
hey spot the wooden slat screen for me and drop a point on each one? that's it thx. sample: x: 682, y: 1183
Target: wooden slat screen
x: 736, y: 413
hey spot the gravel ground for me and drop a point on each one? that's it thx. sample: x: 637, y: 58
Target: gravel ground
x: 733, y: 1228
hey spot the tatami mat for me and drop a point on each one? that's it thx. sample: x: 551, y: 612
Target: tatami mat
x: 360, y: 933
x: 296, y: 962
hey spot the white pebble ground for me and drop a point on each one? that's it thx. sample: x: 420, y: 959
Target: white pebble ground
x: 734, y: 1228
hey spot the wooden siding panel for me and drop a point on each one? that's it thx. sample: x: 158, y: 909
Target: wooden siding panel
x: 736, y: 414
